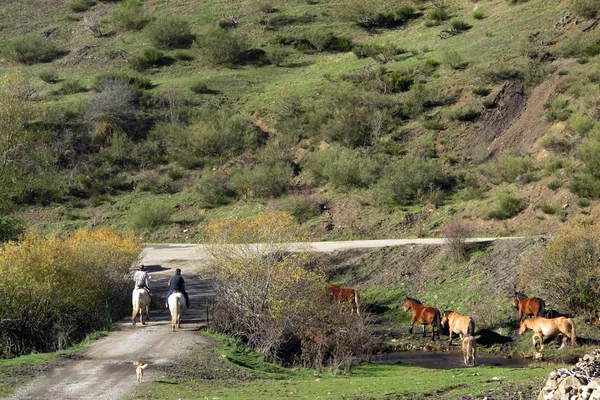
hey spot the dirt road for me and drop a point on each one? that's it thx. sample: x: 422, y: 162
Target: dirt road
x: 105, y: 369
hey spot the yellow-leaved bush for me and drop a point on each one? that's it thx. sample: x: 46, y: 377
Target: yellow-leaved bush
x: 55, y: 290
x: 273, y: 295
x: 566, y: 271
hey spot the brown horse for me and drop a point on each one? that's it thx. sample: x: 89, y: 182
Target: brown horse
x: 424, y: 315
x: 350, y: 295
x: 549, y: 327
x: 529, y: 306
x: 457, y: 323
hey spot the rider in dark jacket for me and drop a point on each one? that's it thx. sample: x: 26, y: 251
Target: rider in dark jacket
x: 178, y: 283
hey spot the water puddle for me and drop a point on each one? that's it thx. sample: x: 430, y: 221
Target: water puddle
x: 449, y: 360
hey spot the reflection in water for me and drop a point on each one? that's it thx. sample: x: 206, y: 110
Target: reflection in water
x: 449, y: 360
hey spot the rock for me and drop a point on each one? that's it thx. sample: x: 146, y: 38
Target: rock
x: 551, y: 384
x: 593, y: 384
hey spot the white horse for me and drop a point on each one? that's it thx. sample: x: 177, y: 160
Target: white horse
x: 141, y: 301
x: 176, y: 306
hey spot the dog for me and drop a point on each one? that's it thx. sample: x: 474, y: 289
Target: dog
x: 469, y: 349
x: 139, y: 370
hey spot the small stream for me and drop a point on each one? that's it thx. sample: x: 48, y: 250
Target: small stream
x: 450, y: 360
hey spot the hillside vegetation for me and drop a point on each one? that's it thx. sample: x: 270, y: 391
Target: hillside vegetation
x: 366, y: 119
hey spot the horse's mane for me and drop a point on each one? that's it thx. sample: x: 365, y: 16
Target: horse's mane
x: 414, y: 301
x: 521, y: 295
x: 447, y: 312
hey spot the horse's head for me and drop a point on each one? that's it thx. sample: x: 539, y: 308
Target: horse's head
x: 517, y: 299
x: 445, y: 318
x: 407, y: 305
x: 523, y: 327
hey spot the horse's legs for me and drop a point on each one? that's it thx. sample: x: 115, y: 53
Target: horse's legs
x: 541, y: 340
x: 450, y: 341
x: 423, y: 330
x: 564, y: 342
x: 432, y: 331
x: 412, y: 322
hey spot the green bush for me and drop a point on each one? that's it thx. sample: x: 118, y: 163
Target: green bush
x: 459, y: 25
x: 411, y: 179
x: 169, y: 33
x: 262, y: 181
x: 11, y: 229
x: 30, y: 49
x: 71, y: 86
x: 213, y: 190
x: 438, y: 14
x: 509, y: 205
x: 580, y: 124
x: 464, y: 114
x: 81, y: 5
x: 342, y: 168
x: 129, y: 16
x: 557, y: 110
x: 587, y: 8
x: 478, y: 14
x: 150, y: 57
x: 557, y: 145
x: 323, y: 40
x: 404, y: 13
x: 48, y: 76
x: 380, y: 53
x: 182, y: 55
x: 302, y: 208
x: 454, y: 60
x: 422, y: 96
x: 512, y: 168
x: 200, y: 88
x: 481, y: 91
x: 150, y: 215
x: 278, y: 55
x: 221, y: 47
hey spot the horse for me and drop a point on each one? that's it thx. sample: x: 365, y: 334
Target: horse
x: 141, y: 301
x: 529, y: 306
x: 424, y: 315
x: 340, y: 294
x: 549, y: 327
x: 469, y: 349
x: 176, y: 307
x: 461, y: 324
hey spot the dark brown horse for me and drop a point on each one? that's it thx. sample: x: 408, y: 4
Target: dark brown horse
x: 350, y: 295
x: 424, y: 315
x: 526, y: 306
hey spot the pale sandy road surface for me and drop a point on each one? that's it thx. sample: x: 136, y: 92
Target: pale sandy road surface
x: 105, y: 369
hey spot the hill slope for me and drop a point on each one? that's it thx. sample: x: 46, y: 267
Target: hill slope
x: 363, y: 119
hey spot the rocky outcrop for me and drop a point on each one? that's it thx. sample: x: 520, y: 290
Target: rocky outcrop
x: 580, y: 382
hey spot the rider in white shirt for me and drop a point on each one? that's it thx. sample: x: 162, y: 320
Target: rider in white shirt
x: 141, y: 279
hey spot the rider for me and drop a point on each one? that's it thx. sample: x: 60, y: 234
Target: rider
x: 141, y: 279
x: 177, y: 283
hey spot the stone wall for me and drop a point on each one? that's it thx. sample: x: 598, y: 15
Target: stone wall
x: 582, y: 381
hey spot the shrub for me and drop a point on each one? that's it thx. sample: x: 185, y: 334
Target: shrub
x: 221, y: 47
x: 71, y: 86
x: 70, y: 302
x: 200, y: 88
x: 512, y: 168
x: 150, y: 57
x: 11, y: 230
x: 150, y: 215
x: 262, y: 181
x: 323, y: 40
x: 454, y: 60
x: 481, y: 91
x: 182, y: 55
x: 548, y: 208
x: 555, y: 144
x: 48, y: 76
x: 586, y: 8
x: 589, y: 153
x: 81, y: 5
x: 342, y: 168
x: 571, y: 277
x: 554, y: 185
x: 30, y: 49
x: 278, y: 55
x: 456, y: 234
x: 464, y: 114
x: 404, y: 13
x: 509, y: 205
x: 169, y: 33
x: 459, y: 25
x: 585, y: 184
x: 112, y: 107
x: 380, y: 53
x: 212, y: 189
x: 129, y: 16
x: 557, y: 110
x: 478, y: 14
x: 302, y: 208
x: 368, y: 14
x: 411, y: 178
x: 438, y: 14
x: 278, y: 302
x: 580, y: 124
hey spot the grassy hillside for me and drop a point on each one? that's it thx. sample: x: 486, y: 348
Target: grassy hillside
x: 363, y: 119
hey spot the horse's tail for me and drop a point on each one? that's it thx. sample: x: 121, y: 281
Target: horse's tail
x: 573, y: 336
x: 438, y: 321
x: 357, y: 302
x: 542, y: 312
x: 471, y: 328
x: 174, y: 305
x: 136, y: 305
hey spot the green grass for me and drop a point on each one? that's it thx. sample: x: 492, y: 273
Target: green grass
x: 379, y: 381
